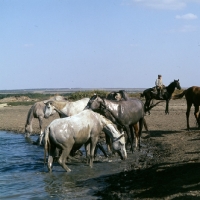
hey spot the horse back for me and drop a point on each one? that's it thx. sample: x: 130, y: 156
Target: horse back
x: 38, y: 109
x: 192, y: 95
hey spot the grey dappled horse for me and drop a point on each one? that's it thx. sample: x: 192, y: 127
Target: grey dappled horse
x: 37, y: 111
x: 72, y: 132
x: 125, y: 113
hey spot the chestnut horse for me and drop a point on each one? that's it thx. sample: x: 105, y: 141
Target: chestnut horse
x: 192, y: 96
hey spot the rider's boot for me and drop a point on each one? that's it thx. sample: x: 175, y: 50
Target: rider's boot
x: 159, y: 95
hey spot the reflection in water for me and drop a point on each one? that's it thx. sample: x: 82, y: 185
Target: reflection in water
x: 23, y: 174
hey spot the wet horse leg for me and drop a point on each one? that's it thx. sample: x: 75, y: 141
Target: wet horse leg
x: 40, y: 119
x: 51, y: 158
x: 63, y: 157
x: 188, y: 114
x: 109, y: 143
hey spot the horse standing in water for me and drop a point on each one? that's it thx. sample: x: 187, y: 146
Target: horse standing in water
x: 72, y: 132
x: 167, y: 93
x: 125, y: 113
x: 192, y: 96
x: 67, y: 109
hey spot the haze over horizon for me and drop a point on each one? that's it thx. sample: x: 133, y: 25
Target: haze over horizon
x: 98, y: 44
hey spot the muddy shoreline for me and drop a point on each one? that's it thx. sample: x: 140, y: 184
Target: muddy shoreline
x: 167, y: 168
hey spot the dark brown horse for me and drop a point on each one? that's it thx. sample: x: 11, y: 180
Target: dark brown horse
x: 167, y: 93
x: 192, y: 96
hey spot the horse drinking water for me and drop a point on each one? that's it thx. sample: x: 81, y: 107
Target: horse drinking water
x: 72, y: 132
x: 67, y: 109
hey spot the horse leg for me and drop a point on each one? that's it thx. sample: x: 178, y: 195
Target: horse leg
x: 92, y: 147
x: 40, y: 119
x: 188, y: 114
x: 139, y: 133
x: 63, y: 157
x: 195, y: 113
x: 127, y: 129
x: 147, y: 106
x: 109, y: 144
x: 101, y: 148
x: 87, y: 152
x: 167, y: 107
x: 135, y: 126
x: 51, y: 158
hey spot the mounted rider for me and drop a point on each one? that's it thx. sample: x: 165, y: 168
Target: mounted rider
x: 159, y: 86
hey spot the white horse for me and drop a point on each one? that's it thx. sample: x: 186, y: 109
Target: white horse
x: 65, y: 108
x: 72, y: 132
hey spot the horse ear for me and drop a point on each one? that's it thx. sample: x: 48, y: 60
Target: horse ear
x: 178, y: 79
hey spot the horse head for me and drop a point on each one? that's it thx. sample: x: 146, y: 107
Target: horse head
x: 118, y: 139
x: 49, y: 109
x: 119, y: 146
x: 177, y: 84
x: 95, y: 103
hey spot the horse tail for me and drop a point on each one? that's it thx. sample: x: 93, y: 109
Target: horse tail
x: 46, y: 143
x: 179, y: 96
x: 29, y: 119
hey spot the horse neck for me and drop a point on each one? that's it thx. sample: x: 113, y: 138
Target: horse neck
x: 171, y: 88
x: 110, y: 105
x: 59, y: 105
x: 112, y: 109
x: 110, y: 130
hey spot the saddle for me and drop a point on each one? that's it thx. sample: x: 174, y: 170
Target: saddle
x: 155, y: 90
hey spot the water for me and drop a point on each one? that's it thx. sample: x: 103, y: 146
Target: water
x: 24, y: 176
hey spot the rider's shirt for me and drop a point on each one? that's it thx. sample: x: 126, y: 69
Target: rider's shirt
x: 159, y: 82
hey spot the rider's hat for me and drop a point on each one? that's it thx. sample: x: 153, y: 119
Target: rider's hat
x: 159, y: 75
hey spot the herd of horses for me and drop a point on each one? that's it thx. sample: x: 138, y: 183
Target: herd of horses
x: 81, y: 121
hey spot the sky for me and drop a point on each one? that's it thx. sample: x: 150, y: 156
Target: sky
x: 98, y: 43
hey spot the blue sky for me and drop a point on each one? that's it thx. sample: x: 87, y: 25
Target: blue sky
x: 98, y: 43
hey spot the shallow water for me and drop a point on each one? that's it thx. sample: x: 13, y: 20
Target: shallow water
x: 23, y: 174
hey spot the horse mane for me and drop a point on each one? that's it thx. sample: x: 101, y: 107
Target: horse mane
x: 106, y: 120
x: 124, y: 94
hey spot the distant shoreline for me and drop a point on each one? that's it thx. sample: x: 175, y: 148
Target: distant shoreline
x: 67, y: 90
